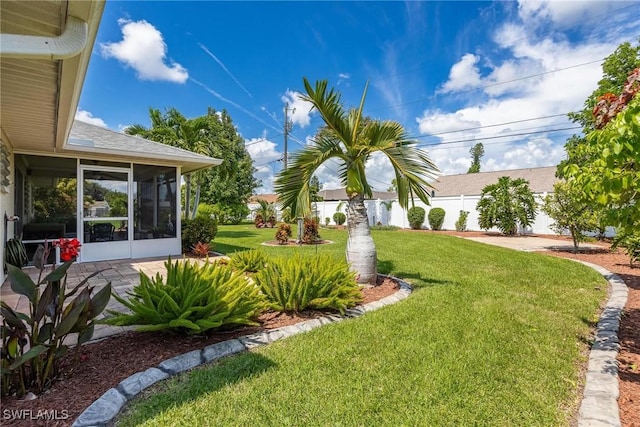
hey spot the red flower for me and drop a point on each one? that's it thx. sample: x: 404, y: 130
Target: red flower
x: 69, y: 249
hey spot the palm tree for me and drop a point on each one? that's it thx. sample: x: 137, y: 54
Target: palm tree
x: 350, y: 139
x: 175, y: 129
x: 267, y: 210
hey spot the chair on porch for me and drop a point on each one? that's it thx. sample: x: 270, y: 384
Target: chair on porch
x: 102, y: 232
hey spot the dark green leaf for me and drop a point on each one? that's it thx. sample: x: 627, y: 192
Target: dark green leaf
x: 32, y: 353
x: 21, y: 283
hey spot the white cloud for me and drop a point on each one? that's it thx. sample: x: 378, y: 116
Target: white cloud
x: 528, y: 78
x: 562, y: 13
x: 301, y: 115
x: 265, y: 157
x: 345, y: 76
x: 435, y: 122
x: 143, y: 49
x: 87, y: 117
x: 463, y: 75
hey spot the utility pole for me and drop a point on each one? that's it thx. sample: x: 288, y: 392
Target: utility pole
x: 288, y: 124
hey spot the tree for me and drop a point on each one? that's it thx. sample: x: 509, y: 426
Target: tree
x: 350, y: 139
x: 611, y: 175
x: 569, y: 212
x: 477, y: 151
x: 176, y: 130
x: 314, y: 189
x: 506, y: 205
x: 267, y: 211
x: 230, y: 185
x: 393, y: 188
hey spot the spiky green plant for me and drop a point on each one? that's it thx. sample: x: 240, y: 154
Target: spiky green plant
x: 250, y: 261
x: 191, y: 300
x: 298, y: 283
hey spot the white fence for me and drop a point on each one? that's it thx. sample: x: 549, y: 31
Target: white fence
x: 378, y: 213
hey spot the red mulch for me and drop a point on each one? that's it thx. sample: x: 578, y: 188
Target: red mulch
x: 105, y: 363
x: 108, y: 362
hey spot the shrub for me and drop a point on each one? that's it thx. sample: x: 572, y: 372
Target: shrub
x: 249, y: 261
x: 198, y: 229
x: 327, y: 220
x: 339, y: 218
x: 15, y: 253
x: 507, y: 204
x: 415, y: 215
x: 194, y: 299
x: 299, y: 283
x: 384, y: 227
x: 436, y: 218
x: 206, y: 210
x: 630, y: 243
x: 259, y: 221
x: 33, y: 343
x: 283, y: 234
x: 461, y: 223
x: 201, y: 249
x: 310, y: 234
x: 286, y: 215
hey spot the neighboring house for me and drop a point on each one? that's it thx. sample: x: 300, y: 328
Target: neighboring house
x: 45, y: 49
x: 454, y: 193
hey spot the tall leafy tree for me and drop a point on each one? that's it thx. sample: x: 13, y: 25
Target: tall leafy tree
x: 569, y: 212
x: 230, y: 185
x: 507, y: 204
x: 351, y: 140
x: 477, y: 151
x: 173, y: 128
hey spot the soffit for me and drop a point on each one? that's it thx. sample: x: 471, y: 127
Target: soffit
x: 28, y: 87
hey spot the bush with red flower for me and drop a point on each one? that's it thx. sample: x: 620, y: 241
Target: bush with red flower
x: 69, y: 248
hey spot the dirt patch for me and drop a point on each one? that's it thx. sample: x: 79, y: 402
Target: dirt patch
x: 105, y: 363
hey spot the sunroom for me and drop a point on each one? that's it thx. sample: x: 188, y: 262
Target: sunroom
x: 119, y: 195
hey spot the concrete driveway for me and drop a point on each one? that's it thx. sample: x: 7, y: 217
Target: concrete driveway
x: 530, y: 243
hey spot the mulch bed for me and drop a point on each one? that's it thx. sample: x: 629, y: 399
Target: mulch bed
x: 105, y: 363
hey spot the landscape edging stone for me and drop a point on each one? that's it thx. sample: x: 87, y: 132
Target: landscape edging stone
x: 103, y: 411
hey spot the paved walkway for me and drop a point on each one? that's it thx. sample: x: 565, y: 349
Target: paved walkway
x: 530, y: 243
x: 123, y: 274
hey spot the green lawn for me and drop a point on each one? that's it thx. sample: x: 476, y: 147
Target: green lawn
x: 490, y: 336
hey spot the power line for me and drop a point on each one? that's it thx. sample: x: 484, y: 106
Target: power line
x: 498, y: 136
x: 435, y: 95
x: 490, y: 126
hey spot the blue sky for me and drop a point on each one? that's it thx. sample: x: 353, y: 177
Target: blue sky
x: 453, y: 73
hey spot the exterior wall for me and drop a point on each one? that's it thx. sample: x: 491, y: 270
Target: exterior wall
x: 7, y: 196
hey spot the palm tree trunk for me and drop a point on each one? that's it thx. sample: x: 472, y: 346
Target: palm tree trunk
x: 196, y: 201
x: 361, y: 250
x: 187, y: 196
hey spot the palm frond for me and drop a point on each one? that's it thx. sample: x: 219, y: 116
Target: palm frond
x: 292, y: 184
x: 329, y: 107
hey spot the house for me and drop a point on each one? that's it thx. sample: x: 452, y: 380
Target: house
x: 454, y: 193
x: 64, y: 178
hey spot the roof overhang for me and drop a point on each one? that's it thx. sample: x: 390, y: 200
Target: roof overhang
x: 45, y: 47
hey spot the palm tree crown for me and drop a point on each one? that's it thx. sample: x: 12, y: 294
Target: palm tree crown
x: 351, y: 139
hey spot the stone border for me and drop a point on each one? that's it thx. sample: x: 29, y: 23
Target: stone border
x: 599, y: 406
x: 103, y: 411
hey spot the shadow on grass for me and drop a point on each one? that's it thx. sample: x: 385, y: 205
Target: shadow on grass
x: 226, y: 249
x: 418, y: 281
x: 196, y: 384
x: 236, y: 233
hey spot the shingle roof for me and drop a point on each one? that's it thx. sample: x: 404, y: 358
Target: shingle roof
x: 341, y: 194
x: 269, y: 198
x: 471, y: 184
x: 95, y: 139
